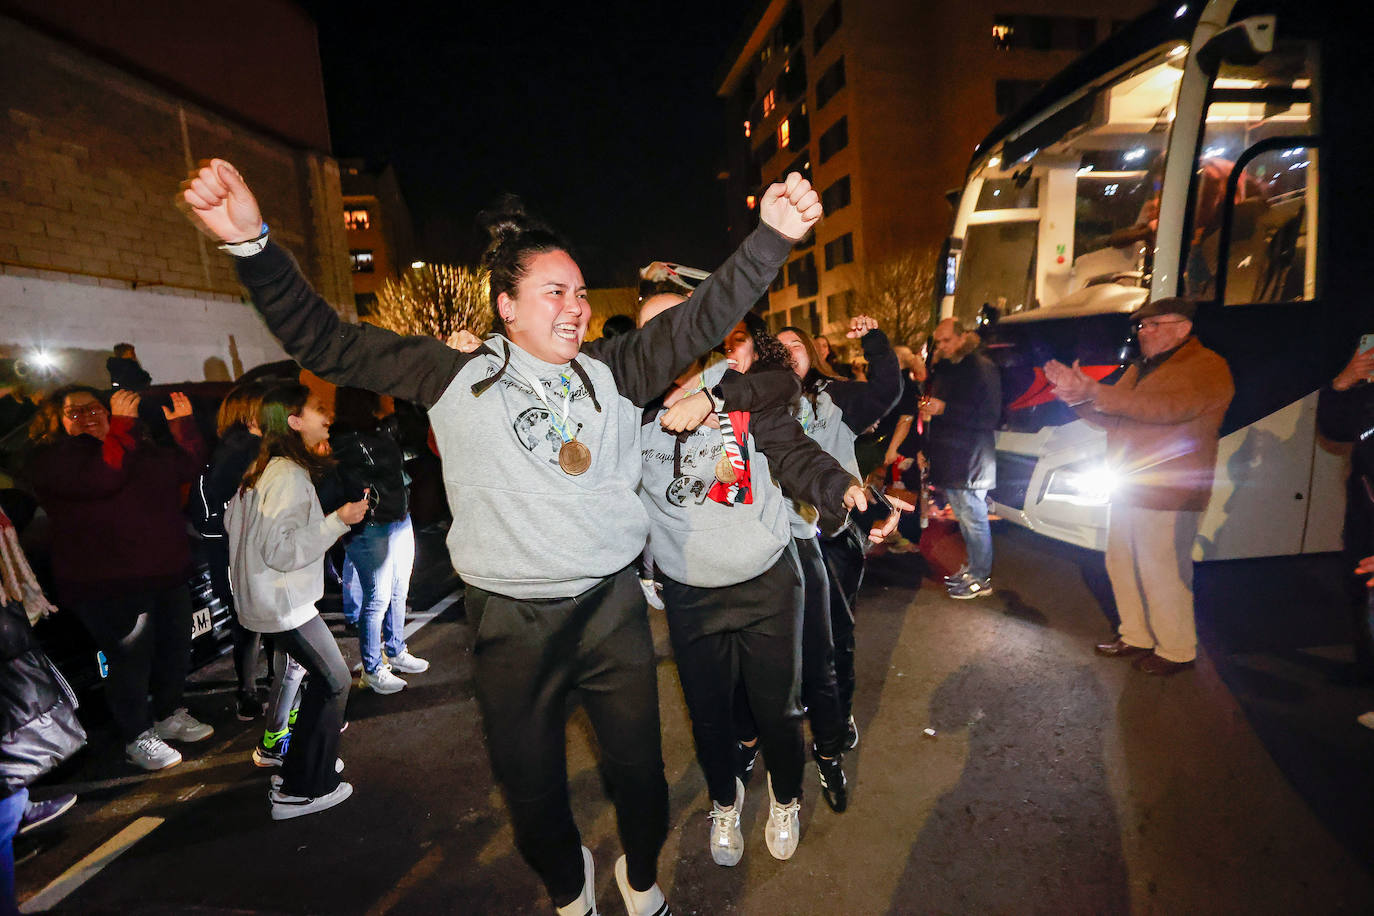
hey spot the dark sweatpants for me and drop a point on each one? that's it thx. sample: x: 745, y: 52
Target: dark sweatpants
x: 844, y: 566
x: 528, y: 656
x: 146, y: 638
x: 308, y: 770
x: 748, y: 633
x: 824, y: 710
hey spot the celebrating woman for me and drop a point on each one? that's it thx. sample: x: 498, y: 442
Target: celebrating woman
x: 540, y: 441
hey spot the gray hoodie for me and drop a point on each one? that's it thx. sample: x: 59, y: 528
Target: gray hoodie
x: 522, y: 527
x: 707, y: 543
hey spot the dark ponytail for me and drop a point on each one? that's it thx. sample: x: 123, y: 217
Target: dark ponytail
x: 515, y: 238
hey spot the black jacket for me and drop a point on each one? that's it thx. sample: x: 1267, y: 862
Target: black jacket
x: 865, y: 403
x: 959, y: 442
x: 1348, y: 416
x: 372, y: 458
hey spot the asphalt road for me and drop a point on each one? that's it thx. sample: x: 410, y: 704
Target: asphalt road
x: 1055, y: 782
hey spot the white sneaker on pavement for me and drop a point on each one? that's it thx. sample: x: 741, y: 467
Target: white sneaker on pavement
x: 182, y: 726
x: 639, y: 903
x: 151, y: 753
x: 408, y: 664
x: 286, y: 806
x: 783, y: 830
x: 585, y: 904
x: 382, y: 681
x: 727, y: 840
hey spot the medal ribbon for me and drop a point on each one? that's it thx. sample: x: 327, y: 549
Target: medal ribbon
x: 734, y: 429
x: 560, y: 425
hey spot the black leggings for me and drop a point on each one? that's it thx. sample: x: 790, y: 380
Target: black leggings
x: 146, y: 638
x: 308, y: 770
x: 824, y: 710
x: 844, y: 566
x: 748, y: 633
x: 528, y: 656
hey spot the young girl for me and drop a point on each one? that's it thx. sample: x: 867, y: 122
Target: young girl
x: 278, y: 536
x: 540, y: 442
x: 833, y: 411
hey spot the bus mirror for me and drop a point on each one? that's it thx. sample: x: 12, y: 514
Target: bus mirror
x: 1243, y: 43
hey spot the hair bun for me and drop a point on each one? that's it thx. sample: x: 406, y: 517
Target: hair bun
x: 503, y: 221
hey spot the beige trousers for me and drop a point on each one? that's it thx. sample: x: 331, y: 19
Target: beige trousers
x: 1150, y: 564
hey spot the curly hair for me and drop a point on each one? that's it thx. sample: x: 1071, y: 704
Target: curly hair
x: 769, y: 352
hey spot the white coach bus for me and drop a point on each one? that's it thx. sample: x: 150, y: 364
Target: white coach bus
x: 1213, y: 150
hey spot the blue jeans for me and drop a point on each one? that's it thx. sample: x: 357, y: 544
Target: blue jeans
x: 11, y: 810
x: 971, y: 511
x: 377, y: 567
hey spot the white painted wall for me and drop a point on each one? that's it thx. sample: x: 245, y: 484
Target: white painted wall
x: 178, y: 333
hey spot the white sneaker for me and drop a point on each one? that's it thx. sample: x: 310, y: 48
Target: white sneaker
x: 727, y: 840
x: 182, y: 726
x: 651, y: 593
x: 151, y: 753
x: 382, y: 681
x: 408, y: 664
x: 278, y: 779
x: 585, y: 904
x: 285, y: 806
x: 639, y: 903
x: 783, y: 830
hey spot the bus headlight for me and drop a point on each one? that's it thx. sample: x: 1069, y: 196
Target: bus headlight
x: 1084, y: 483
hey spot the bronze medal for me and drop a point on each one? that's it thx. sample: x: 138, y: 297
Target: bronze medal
x: 725, y: 471
x: 574, y: 458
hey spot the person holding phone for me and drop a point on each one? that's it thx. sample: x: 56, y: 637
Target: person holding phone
x: 1345, y: 411
x: 961, y: 410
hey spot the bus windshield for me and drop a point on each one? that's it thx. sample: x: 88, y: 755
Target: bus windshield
x: 1070, y: 200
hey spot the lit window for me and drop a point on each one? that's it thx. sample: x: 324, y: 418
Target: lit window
x: 768, y: 103
x: 362, y: 260
x: 747, y: 129
x: 356, y: 218
x: 1001, y: 35
x: 750, y: 201
x: 784, y: 131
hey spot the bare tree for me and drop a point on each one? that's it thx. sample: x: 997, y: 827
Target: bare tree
x: 900, y: 294
x: 435, y: 300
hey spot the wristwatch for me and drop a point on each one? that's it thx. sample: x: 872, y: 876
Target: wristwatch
x: 249, y: 248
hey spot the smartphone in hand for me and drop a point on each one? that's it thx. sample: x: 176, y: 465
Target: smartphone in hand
x: 878, y: 511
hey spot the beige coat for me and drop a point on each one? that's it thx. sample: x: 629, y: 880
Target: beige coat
x: 1162, y: 429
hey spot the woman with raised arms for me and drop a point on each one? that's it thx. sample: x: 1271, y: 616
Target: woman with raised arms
x: 541, y: 451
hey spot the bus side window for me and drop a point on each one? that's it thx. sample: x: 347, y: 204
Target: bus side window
x: 1268, y: 257
x: 1260, y: 116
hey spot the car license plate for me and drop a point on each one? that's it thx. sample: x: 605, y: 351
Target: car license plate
x: 200, y: 622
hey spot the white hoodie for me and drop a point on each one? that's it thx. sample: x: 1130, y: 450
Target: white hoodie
x: 278, y: 536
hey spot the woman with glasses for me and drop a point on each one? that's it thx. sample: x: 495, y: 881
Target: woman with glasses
x: 121, y: 555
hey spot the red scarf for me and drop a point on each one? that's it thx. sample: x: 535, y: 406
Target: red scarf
x: 739, y: 491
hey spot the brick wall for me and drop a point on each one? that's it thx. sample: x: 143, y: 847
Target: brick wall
x: 90, y: 159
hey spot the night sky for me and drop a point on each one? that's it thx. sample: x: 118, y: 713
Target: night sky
x: 601, y: 116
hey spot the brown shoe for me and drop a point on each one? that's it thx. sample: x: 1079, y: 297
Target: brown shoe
x: 1120, y: 649
x: 1153, y: 664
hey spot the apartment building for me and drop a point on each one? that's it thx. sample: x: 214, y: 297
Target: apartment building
x: 879, y: 103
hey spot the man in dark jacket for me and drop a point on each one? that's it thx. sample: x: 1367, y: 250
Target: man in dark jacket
x: 125, y: 369
x: 961, y: 413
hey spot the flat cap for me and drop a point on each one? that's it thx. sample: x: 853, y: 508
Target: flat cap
x: 1172, y: 305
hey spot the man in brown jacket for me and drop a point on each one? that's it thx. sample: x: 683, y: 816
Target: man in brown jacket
x: 1162, y: 419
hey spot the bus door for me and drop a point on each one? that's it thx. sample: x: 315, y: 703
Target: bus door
x: 1249, y: 256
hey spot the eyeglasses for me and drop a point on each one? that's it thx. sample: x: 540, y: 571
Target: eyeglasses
x: 1154, y: 323
x: 93, y: 409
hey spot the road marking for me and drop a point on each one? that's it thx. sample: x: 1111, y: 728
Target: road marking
x: 434, y: 610
x: 89, y: 867
x: 417, y: 874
